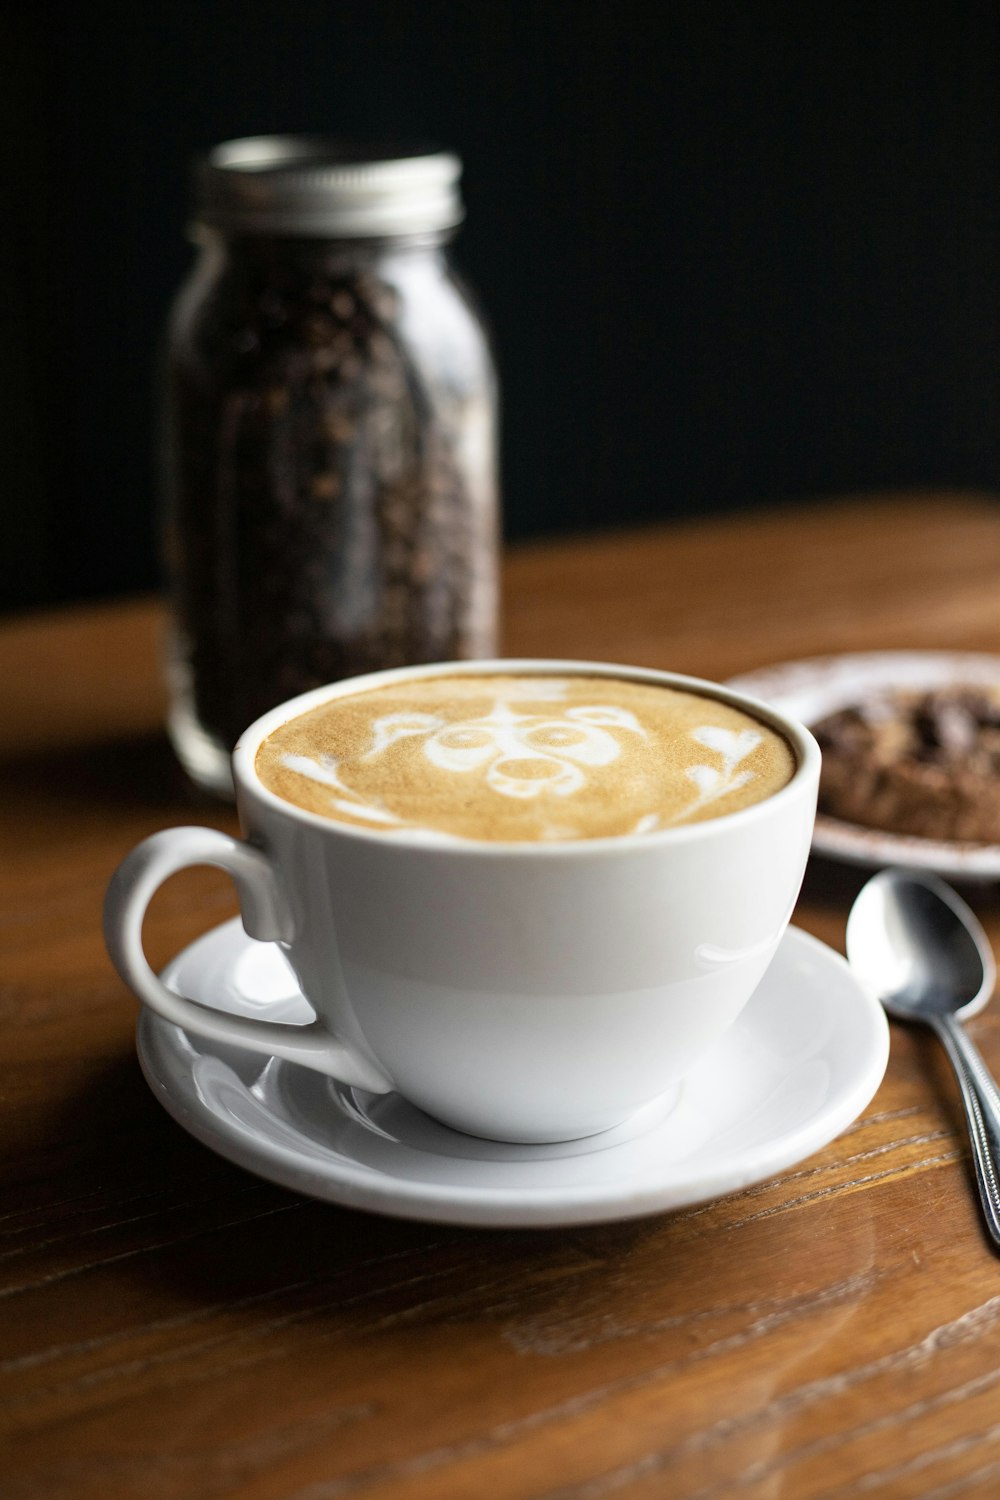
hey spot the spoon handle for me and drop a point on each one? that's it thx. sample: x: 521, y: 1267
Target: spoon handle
x: 982, y: 1112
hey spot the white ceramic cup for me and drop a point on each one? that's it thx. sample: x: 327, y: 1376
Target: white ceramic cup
x: 526, y: 992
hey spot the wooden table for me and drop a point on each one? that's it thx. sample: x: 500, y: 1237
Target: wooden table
x: 173, y: 1327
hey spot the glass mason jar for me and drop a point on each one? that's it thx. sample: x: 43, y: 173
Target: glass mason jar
x: 329, y: 437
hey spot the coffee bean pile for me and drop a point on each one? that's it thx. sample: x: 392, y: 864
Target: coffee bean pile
x: 324, y: 519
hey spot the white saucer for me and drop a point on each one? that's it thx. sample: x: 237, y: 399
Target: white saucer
x: 801, y: 1063
x: 819, y: 685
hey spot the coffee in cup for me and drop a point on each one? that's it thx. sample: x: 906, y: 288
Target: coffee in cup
x: 523, y: 758
x: 528, y: 896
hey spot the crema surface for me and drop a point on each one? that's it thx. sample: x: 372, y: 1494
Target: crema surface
x: 524, y: 758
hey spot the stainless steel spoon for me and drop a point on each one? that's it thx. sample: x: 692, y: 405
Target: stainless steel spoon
x: 917, y: 945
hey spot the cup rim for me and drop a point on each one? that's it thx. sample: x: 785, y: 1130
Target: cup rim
x: 248, y: 784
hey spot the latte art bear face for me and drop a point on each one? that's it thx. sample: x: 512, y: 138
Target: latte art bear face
x: 522, y: 754
x: 523, y: 758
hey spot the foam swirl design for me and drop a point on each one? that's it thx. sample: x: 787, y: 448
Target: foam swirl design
x: 524, y: 758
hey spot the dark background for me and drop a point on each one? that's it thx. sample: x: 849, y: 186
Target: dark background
x: 732, y: 253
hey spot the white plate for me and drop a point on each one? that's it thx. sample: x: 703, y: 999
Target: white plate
x: 819, y: 685
x: 800, y: 1064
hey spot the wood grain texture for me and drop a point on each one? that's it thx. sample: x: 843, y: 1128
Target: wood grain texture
x: 173, y: 1328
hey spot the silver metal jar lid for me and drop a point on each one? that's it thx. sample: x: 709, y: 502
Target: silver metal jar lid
x: 307, y: 185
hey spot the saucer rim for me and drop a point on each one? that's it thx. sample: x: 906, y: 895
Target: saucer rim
x: 352, y: 1185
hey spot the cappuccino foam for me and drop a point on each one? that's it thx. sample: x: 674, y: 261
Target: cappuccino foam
x: 523, y: 758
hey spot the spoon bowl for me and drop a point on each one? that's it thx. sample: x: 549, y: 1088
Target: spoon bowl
x: 919, y: 948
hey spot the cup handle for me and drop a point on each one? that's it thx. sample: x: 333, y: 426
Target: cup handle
x: 265, y: 915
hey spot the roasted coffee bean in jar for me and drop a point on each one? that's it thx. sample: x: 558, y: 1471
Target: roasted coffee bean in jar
x: 329, y: 437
